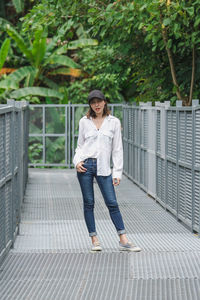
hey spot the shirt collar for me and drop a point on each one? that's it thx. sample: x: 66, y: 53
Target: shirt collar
x: 107, y: 117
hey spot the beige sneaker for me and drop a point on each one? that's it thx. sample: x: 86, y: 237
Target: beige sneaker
x: 129, y: 247
x: 96, y: 247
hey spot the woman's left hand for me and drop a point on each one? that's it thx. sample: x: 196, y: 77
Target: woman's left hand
x: 116, y: 181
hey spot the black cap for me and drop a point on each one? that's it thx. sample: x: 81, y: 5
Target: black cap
x: 96, y: 94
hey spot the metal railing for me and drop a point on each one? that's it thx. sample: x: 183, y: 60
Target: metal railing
x: 54, y: 132
x: 14, y: 122
x: 162, y: 155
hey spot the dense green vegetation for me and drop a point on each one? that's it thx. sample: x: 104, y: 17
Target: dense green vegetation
x: 55, y: 51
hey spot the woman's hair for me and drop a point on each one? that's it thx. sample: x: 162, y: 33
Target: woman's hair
x: 92, y: 114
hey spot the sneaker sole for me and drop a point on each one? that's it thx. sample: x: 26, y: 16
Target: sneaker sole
x: 96, y: 250
x: 130, y: 250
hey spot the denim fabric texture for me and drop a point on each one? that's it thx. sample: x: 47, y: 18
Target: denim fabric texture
x: 108, y: 192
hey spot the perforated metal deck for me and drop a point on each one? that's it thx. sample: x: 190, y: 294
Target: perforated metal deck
x: 51, y: 258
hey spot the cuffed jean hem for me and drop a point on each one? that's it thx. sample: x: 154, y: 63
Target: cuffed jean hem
x: 92, y: 233
x: 121, y: 231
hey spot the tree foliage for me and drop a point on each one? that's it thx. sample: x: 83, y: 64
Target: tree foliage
x: 147, y: 50
x: 43, y: 61
x: 159, y: 41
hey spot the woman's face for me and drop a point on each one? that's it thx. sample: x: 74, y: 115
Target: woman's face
x: 97, y: 106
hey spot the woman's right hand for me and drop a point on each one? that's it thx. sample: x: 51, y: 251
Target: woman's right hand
x: 80, y: 168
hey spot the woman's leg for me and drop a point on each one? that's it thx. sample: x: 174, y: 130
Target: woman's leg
x: 108, y: 192
x: 86, y: 184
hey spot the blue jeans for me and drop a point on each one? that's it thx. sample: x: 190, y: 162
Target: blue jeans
x: 108, y: 192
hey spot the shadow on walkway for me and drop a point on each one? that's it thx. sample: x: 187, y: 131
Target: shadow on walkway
x: 51, y: 258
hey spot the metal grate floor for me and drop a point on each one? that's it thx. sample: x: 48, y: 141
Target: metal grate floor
x: 51, y: 258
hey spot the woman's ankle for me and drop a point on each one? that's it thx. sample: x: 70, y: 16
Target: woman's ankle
x: 94, y: 239
x: 123, y: 238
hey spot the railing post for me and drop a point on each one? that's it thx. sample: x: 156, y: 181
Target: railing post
x: 26, y: 142
x: 69, y: 134
x: 152, y: 152
x: 166, y: 105
x: 11, y: 102
x: 2, y: 189
x: 19, y: 105
x: 178, y: 104
x: 195, y: 102
x: 163, y: 152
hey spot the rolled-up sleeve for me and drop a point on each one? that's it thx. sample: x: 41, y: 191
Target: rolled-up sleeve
x: 78, y: 152
x: 117, y: 151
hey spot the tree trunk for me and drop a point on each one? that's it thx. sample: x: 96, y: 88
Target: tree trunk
x: 171, y: 62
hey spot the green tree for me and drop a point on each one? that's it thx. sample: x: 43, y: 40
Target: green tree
x: 44, y: 60
x: 147, y: 50
x: 173, y: 26
x: 159, y: 37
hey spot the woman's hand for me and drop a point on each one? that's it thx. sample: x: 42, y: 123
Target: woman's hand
x: 116, y: 181
x: 80, y: 168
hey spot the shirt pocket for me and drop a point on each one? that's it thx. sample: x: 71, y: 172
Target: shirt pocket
x: 90, y: 136
x: 107, y: 137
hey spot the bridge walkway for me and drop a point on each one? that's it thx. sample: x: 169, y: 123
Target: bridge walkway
x: 51, y: 259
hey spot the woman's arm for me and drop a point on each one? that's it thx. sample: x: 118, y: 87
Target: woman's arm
x: 78, y: 152
x: 117, y: 152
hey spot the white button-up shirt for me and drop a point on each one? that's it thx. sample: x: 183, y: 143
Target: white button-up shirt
x: 100, y: 144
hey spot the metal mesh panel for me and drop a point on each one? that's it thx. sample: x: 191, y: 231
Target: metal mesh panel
x: 129, y: 125
x: 176, y: 161
x: 136, y: 126
x: 13, y: 172
x: 185, y: 193
x: 8, y: 211
x: 36, y: 120
x: 145, y: 128
x: 26, y: 139
x: 130, y: 158
x: 182, y: 135
x: 2, y: 218
x: 171, y: 133
x: 125, y: 142
x: 55, y: 120
x: 186, y: 136
x: 55, y: 150
x: 143, y: 168
x: 2, y: 146
x: 158, y: 142
x: 197, y: 137
x: 16, y: 139
x: 8, y: 144
x: 136, y: 163
x: 15, y: 203
x: 125, y: 160
x: 196, y: 198
x: 160, y: 178
x: 130, y: 142
x: 132, y: 124
x: 125, y: 127
x: 171, y: 185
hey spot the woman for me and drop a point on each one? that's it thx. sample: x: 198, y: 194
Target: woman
x: 99, y: 137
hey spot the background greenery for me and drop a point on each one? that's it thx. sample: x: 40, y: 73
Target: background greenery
x: 55, y: 51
